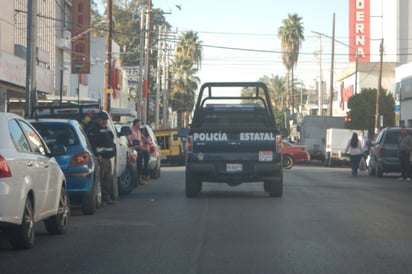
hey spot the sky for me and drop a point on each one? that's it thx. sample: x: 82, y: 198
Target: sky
x: 240, y: 40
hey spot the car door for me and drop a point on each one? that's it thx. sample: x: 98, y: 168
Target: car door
x: 45, y: 188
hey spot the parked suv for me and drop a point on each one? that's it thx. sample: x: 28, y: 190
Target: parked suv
x: 79, y: 165
x: 383, y: 156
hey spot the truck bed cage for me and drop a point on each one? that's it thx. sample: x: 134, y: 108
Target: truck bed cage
x: 260, y: 95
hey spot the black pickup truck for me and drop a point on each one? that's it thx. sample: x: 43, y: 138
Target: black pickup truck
x: 233, y: 139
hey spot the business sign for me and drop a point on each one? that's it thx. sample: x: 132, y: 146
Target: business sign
x: 133, y: 74
x: 81, y: 36
x: 406, y: 89
x: 359, y: 30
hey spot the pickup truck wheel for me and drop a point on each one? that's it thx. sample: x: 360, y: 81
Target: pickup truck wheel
x: 127, y: 180
x: 379, y: 171
x: 193, y: 185
x: 275, y: 188
x: 59, y: 223
x: 371, y: 170
x: 288, y: 161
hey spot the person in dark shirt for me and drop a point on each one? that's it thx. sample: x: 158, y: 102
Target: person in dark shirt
x: 101, y: 139
x: 404, y: 152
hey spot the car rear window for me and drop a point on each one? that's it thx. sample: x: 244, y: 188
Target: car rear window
x: 392, y: 138
x: 58, y: 134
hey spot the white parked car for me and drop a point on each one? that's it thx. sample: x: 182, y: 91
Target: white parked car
x: 32, y: 185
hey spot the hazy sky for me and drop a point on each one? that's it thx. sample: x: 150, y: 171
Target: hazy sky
x: 240, y: 40
x: 249, y: 28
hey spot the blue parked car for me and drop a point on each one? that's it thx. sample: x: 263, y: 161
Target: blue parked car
x: 79, y: 165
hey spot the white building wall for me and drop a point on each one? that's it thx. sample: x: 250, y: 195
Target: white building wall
x: 7, y: 26
x: 384, y: 25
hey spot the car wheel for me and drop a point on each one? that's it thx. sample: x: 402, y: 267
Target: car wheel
x: 379, y: 171
x: 127, y: 180
x: 99, y: 199
x: 288, y: 161
x: 59, y: 223
x: 115, y: 187
x: 22, y: 237
x: 89, y: 203
x: 193, y: 185
x: 155, y: 172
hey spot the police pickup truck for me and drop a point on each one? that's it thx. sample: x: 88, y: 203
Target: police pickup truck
x: 233, y: 139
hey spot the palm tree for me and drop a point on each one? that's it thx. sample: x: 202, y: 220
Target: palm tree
x: 190, y: 47
x: 185, y: 83
x: 291, y: 37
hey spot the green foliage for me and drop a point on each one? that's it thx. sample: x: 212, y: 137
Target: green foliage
x: 188, y: 57
x: 362, y: 109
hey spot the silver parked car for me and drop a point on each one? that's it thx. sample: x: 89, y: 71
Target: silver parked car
x: 32, y: 185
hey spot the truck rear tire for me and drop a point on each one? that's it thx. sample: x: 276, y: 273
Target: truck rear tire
x: 274, y: 187
x: 193, y: 185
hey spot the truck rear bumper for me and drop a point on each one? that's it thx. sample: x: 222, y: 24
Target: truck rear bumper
x: 251, y: 172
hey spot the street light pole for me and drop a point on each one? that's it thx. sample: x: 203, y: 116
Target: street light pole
x: 356, y: 57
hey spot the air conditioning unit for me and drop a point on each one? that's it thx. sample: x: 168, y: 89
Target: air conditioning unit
x: 66, y: 41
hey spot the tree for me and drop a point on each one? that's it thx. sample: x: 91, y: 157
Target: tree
x: 277, y: 89
x: 185, y: 83
x: 362, y: 110
x: 291, y: 38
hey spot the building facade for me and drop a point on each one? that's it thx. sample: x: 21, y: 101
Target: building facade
x: 372, y: 24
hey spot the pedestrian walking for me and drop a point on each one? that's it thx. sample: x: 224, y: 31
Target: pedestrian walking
x: 101, y: 139
x: 355, y: 151
x: 404, y: 153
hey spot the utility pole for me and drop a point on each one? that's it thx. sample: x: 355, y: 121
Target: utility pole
x: 320, y: 91
x: 378, y: 92
x: 108, y: 66
x: 146, y: 81
x: 31, y: 85
x: 165, y: 88
x: 158, y: 77
x: 141, y: 64
x: 332, y: 64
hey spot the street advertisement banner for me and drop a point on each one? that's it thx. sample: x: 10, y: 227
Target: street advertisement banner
x: 359, y: 30
x: 81, y: 36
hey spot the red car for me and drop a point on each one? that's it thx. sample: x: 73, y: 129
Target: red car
x: 294, y: 154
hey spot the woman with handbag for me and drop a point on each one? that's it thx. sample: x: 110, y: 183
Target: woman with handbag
x: 355, y: 151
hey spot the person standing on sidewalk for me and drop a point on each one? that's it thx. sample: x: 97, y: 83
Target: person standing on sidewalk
x: 355, y: 151
x: 404, y: 153
x: 135, y: 139
x: 145, y: 154
x: 101, y: 139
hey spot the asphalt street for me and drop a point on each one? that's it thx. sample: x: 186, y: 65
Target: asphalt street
x: 326, y: 222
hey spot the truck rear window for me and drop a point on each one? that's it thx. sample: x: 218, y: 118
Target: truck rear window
x: 221, y: 118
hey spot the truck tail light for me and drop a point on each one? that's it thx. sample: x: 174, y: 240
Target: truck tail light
x: 80, y: 159
x: 279, y: 143
x: 189, y: 144
x: 4, y: 168
x: 152, y: 149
